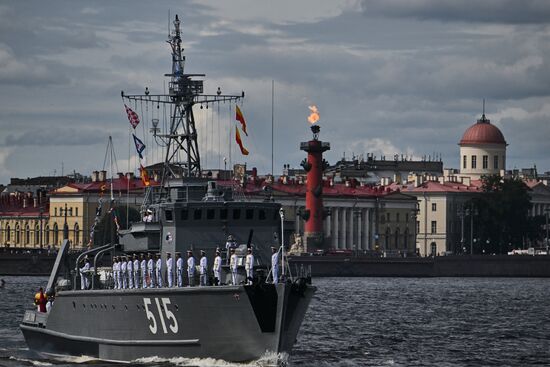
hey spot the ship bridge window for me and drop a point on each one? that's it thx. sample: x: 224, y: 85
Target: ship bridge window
x: 168, y: 215
x: 249, y: 214
x: 223, y: 214
x: 236, y: 214
x: 197, y: 214
x: 262, y: 214
x: 184, y: 214
x: 210, y: 214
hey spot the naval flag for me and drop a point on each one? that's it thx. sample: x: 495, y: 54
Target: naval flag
x: 140, y: 147
x: 239, y: 117
x: 133, y: 117
x: 239, y: 141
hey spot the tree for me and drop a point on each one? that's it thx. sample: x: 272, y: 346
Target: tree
x: 503, y: 209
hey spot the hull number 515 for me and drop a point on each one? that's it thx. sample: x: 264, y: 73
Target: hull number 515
x: 167, y: 318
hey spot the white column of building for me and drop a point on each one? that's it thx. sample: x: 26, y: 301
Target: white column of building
x: 343, y: 241
x: 360, y: 229
x: 326, y: 224
x: 336, y: 234
x: 366, y: 224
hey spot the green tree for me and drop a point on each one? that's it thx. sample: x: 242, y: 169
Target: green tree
x: 503, y: 220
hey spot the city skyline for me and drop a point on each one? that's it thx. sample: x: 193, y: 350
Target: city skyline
x: 388, y: 77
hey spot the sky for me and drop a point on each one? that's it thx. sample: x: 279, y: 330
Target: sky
x: 388, y: 76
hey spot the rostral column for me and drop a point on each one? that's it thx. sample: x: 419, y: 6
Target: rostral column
x: 314, y: 166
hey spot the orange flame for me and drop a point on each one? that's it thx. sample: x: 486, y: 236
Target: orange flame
x: 314, y: 115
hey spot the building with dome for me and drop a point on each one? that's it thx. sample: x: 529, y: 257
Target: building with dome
x: 482, y: 150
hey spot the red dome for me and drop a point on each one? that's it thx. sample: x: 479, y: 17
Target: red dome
x: 482, y: 132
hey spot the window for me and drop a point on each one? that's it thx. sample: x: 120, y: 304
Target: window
x: 17, y: 234
x: 495, y: 162
x: 168, y: 215
x: 397, y: 217
x: 434, y: 227
x: 47, y: 234
x: 55, y: 212
x: 249, y: 214
x: 407, y: 217
x: 76, y: 234
x: 210, y: 214
x: 197, y: 214
x: 464, y: 161
x: 76, y: 211
x: 434, y: 207
x: 474, y: 162
x: 262, y: 214
x: 55, y: 234
x: 485, y: 161
x: 184, y: 214
x: 8, y: 233
x: 236, y: 214
x: 27, y: 235
x: 223, y: 214
x: 388, y: 217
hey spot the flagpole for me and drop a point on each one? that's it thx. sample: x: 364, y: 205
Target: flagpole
x: 128, y: 179
x: 272, y: 122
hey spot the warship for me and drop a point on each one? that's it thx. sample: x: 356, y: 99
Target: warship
x: 232, y: 321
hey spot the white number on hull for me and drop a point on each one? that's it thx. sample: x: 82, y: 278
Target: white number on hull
x: 169, y: 315
x: 150, y: 316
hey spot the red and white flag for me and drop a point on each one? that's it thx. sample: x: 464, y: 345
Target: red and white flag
x: 132, y: 117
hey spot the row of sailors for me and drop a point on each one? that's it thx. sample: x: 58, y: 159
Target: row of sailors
x: 126, y: 271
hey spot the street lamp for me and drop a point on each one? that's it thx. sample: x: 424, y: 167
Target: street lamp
x: 40, y: 217
x: 461, y: 212
x: 282, y: 215
x: 65, y: 225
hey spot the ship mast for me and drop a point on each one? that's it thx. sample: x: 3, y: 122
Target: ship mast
x: 184, y: 91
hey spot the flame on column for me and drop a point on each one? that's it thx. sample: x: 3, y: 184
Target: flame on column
x: 314, y: 115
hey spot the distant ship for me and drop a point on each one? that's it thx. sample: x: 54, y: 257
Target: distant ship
x: 236, y: 323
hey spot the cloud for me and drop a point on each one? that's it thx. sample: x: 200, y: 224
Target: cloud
x: 65, y: 136
x: 487, y: 11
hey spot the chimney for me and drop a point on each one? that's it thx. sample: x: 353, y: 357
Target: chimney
x: 35, y: 202
x: 95, y: 175
x: 102, y: 177
x: 120, y: 175
x: 130, y: 175
x: 466, y: 180
x: 441, y: 179
x: 24, y: 201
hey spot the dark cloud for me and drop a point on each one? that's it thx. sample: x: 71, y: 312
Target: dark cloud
x: 487, y: 11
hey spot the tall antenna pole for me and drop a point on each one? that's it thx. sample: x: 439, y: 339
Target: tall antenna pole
x: 272, y: 122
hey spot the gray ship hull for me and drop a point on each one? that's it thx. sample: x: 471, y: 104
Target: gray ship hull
x: 232, y: 323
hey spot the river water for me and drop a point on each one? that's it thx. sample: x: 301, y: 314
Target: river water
x: 371, y: 322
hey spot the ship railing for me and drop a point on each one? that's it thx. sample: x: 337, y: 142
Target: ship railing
x: 86, y: 253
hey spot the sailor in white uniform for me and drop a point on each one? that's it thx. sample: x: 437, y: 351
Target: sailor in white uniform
x: 275, y: 265
x: 179, y: 269
x: 217, y: 268
x: 191, y: 268
x: 170, y: 269
x: 150, y: 270
x: 84, y: 274
x: 115, y: 273
x: 130, y: 272
x: 123, y: 269
x: 233, y: 266
x: 158, y: 271
x: 249, y: 267
x: 203, y: 268
x: 231, y: 244
x: 143, y: 265
x: 136, y: 272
